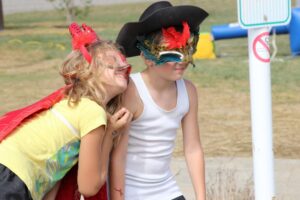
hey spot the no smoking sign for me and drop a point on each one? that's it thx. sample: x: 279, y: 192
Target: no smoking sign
x: 261, y: 47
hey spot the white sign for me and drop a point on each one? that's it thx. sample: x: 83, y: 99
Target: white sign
x: 263, y: 13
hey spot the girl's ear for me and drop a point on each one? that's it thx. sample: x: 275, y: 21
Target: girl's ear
x: 148, y: 63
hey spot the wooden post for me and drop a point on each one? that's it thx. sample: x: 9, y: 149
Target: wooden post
x: 1, y: 17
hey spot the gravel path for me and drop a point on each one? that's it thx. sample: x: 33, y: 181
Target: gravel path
x: 223, y: 173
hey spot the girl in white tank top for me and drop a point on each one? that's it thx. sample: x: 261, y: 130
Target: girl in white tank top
x: 161, y: 101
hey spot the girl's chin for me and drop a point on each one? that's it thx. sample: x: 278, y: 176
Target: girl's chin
x: 123, y: 85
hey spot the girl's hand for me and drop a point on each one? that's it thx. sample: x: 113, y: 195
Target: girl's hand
x: 118, y: 120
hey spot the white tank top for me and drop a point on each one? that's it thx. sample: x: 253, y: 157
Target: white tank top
x: 150, y: 146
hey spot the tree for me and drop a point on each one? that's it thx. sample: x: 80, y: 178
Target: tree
x: 1, y: 17
x: 71, y: 9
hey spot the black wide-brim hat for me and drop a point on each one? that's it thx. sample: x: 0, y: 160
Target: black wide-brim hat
x: 158, y: 15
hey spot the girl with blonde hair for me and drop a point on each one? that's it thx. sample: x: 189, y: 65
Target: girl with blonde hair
x: 73, y: 125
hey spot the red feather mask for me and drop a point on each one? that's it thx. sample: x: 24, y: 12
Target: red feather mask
x: 173, y: 39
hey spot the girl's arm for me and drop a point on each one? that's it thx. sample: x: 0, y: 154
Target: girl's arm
x: 94, y: 154
x: 118, y: 158
x: 52, y: 193
x: 91, y: 175
x: 117, y: 168
x: 192, y: 146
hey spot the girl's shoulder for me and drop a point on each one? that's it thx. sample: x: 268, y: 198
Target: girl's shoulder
x: 85, y: 105
x: 87, y: 101
x: 190, y: 86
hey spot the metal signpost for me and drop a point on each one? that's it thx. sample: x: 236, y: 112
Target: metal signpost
x: 258, y: 16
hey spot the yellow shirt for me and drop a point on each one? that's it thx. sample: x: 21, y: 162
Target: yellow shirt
x: 43, y: 149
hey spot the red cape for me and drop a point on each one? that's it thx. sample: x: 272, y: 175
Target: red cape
x: 11, y: 120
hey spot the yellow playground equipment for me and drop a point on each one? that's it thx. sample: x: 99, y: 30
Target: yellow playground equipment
x: 205, y: 47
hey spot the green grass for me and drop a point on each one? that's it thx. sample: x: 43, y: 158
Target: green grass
x: 38, y: 36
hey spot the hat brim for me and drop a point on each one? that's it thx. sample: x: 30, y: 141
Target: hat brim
x: 165, y: 17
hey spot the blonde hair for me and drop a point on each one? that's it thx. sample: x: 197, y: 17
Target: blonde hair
x: 84, y: 79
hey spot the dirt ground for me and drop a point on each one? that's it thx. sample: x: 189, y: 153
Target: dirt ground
x: 225, y: 124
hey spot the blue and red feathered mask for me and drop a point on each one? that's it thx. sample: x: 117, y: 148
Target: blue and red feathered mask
x: 173, y: 45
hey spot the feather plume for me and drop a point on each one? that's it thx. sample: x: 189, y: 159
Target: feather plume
x: 174, y: 39
x: 82, y: 37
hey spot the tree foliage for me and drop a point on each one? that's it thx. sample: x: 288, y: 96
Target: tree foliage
x: 72, y: 9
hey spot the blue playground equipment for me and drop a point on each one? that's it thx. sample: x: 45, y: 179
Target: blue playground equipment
x: 228, y: 31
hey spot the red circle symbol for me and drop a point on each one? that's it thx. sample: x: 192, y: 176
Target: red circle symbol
x: 261, y: 48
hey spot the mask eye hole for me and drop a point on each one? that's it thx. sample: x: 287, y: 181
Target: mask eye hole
x: 172, y: 55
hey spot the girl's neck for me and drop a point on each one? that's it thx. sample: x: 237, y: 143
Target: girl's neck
x: 156, y: 82
x: 105, y: 102
x: 108, y: 98
x: 110, y: 93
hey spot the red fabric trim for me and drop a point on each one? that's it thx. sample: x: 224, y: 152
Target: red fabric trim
x: 68, y: 189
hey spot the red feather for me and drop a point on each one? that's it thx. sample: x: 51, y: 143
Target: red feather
x: 82, y: 38
x: 174, y: 39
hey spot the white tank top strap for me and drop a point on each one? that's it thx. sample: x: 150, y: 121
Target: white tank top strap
x: 59, y: 116
x: 183, y: 97
x: 141, y: 87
